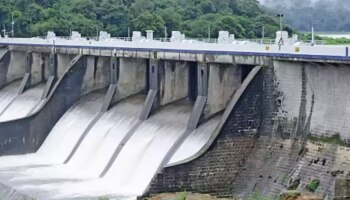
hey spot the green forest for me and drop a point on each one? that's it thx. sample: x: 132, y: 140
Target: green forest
x: 195, y: 18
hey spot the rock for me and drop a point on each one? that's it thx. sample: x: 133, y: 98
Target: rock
x: 294, y: 184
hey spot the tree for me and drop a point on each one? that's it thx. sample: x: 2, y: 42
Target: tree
x: 148, y: 21
x: 193, y: 17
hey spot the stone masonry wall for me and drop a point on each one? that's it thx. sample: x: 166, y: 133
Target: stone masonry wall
x: 302, y: 95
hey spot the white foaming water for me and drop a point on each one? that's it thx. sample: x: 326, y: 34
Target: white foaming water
x: 8, y: 94
x: 136, y: 164
x: 37, y: 107
x: 141, y: 157
x: 98, y: 146
x: 195, y: 141
x: 63, y: 136
x: 23, y: 104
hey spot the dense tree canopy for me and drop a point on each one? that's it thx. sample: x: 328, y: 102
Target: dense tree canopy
x: 244, y: 18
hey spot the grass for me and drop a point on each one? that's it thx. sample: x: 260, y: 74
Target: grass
x: 336, y: 41
x: 334, y: 139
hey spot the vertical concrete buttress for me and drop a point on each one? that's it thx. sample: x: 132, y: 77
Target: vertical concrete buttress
x: 5, y: 57
x: 52, y: 75
x: 153, y: 98
x: 202, y: 96
x: 26, y: 81
x: 114, y: 68
x: 53, y: 64
x: 203, y: 74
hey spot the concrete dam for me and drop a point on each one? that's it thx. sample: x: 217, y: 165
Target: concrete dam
x: 85, y: 119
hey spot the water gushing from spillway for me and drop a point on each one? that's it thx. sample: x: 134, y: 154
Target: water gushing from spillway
x: 23, y: 104
x: 63, y: 136
x: 134, y: 166
x: 8, y: 94
x: 98, y: 146
x: 196, y: 140
x: 141, y: 157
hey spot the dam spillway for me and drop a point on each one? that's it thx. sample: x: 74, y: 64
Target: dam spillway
x: 23, y: 104
x: 8, y: 94
x: 90, y: 122
x: 62, y: 138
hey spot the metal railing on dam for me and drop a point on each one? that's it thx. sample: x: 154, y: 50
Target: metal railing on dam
x: 298, y: 50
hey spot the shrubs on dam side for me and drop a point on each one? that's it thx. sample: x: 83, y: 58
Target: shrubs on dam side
x: 313, y: 185
x: 334, y: 139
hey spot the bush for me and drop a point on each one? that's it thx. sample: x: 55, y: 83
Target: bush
x: 313, y: 185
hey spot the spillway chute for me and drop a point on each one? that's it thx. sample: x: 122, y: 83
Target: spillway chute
x: 62, y: 137
x: 23, y: 104
x: 98, y: 146
x: 8, y: 94
x: 195, y: 141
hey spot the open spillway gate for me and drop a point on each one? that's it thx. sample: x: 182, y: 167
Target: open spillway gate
x: 81, y: 125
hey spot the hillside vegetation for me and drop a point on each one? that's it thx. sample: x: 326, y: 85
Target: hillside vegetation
x: 195, y: 18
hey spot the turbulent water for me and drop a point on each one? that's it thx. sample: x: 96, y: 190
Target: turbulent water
x: 44, y: 175
x: 23, y: 104
x: 63, y: 136
x: 8, y: 94
x: 97, y: 148
x: 133, y: 168
x: 196, y: 140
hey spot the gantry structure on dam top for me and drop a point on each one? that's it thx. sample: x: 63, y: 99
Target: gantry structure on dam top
x: 178, y: 47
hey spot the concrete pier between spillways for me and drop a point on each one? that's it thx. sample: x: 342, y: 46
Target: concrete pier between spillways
x: 267, y: 107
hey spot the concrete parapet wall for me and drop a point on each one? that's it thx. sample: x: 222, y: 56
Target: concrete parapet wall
x: 224, y: 80
x: 174, y: 81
